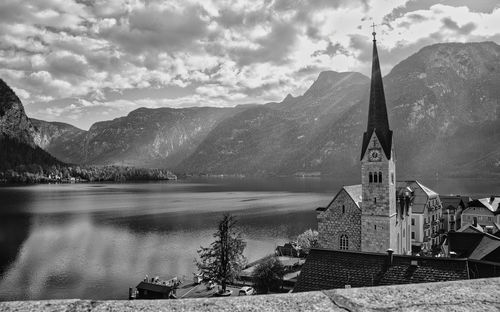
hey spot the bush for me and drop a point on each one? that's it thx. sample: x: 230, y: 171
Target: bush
x: 268, y: 275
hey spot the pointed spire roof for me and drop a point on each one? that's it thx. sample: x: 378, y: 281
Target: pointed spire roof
x: 378, y: 121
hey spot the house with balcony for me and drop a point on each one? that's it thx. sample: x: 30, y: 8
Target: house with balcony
x: 426, y: 217
x: 453, y: 207
x: 486, y: 212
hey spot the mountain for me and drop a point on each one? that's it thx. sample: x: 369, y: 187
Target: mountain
x: 443, y: 105
x: 13, y: 120
x: 62, y: 140
x: 159, y: 137
x: 277, y: 137
x: 17, y: 143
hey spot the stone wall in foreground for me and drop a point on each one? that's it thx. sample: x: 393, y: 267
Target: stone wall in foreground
x: 467, y: 295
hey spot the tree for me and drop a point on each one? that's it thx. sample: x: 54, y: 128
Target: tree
x: 223, y: 260
x: 308, y: 240
x: 268, y: 275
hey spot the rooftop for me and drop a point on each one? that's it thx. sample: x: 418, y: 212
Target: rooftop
x: 328, y: 269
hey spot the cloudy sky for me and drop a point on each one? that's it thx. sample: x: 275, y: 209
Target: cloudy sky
x: 81, y: 61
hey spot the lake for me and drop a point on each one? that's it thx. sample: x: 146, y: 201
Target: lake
x: 94, y: 241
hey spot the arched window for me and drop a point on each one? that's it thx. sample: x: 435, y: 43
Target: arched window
x: 380, y: 177
x: 344, y: 242
x: 371, y: 177
x: 375, y: 177
x: 343, y: 208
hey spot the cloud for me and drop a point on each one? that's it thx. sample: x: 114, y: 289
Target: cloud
x: 95, y: 59
x: 332, y: 50
x: 464, y: 30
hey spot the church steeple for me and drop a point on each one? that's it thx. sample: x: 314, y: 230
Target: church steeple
x: 377, y: 111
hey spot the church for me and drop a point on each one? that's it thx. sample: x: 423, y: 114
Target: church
x: 372, y: 216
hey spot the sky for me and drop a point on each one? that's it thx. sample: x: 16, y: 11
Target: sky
x: 83, y: 61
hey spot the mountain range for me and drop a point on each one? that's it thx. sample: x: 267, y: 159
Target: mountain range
x: 443, y: 104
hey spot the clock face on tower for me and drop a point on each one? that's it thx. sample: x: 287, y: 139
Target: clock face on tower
x: 374, y: 155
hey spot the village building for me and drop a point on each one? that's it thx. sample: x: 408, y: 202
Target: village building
x: 370, y: 217
x: 486, y: 212
x: 426, y: 216
x: 453, y: 207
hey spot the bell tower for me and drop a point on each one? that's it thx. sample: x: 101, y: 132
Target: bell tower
x: 383, y: 226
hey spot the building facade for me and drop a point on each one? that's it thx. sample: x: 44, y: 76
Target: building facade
x: 486, y: 212
x: 453, y: 207
x: 366, y: 217
x: 426, y: 216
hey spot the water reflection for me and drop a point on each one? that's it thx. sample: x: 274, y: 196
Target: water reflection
x: 95, y: 242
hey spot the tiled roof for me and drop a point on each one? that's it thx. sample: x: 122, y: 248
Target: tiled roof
x: 453, y: 201
x: 427, y: 190
x: 470, y: 228
x: 485, y: 202
x: 328, y: 269
x: 488, y: 244
x: 418, y: 201
x: 463, y: 243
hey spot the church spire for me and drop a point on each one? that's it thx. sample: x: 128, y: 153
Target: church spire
x: 377, y: 111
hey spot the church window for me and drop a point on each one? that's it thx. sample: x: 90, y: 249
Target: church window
x: 380, y: 177
x: 344, y: 242
x: 343, y: 208
x: 392, y: 177
x: 375, y: 180
x: 371, y: 177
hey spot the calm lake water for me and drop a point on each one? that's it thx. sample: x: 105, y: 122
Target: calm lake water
x: 94, y: 241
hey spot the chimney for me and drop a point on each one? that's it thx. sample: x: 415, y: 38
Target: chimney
x: 390, y: 256
x: 475, y: 222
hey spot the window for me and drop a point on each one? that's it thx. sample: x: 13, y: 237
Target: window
x: 392, y: 177
x: 375, y: 226
x: 380, y: 177
x: 343, y: 208
x: 375, y: 180
x: 370, y: 177
x: 344, y: 242
x: 412, y: 235
x: 412, y: 221
x: 404, y: 233
x: 374, y: 200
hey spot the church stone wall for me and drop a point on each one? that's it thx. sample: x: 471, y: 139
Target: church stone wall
x: 332, y: 223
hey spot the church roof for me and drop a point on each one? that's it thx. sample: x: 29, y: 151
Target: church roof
x: 378, y: 121
x: 328, y: 269
x: 355, y: 192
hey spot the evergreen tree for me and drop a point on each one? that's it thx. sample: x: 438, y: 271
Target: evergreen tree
x: 223, y: 260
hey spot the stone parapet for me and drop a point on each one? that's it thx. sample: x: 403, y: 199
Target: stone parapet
x: 467, y: 295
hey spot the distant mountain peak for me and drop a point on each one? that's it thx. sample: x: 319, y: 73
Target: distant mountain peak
x: 331, y: 80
